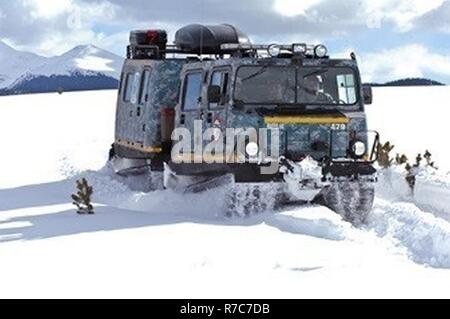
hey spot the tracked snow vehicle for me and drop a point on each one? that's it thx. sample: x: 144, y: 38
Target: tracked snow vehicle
x: 274, y: 124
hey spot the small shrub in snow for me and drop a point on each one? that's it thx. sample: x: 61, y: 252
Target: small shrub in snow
x: 419, y: 159
x: 385, y: 161
x: 83, y: 198
x: 412, y: 171
x: 427, y: 157
x: 410, y: 175
x: 384, y: 157
x: 401, y: 159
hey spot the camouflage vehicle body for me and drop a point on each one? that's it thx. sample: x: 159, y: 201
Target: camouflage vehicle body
x: 298, y: 139
x: 326, y: 132
x: 138, y: 121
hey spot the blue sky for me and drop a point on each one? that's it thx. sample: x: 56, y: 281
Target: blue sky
x: 393, y: 39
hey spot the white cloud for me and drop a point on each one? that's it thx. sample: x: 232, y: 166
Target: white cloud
x: 291, y: 8
x: 412, y: 60
x: 60, y: 42
x: 50, y: 27
x: 48, y: 8
x: 401, y: 12
x: 366, y: 13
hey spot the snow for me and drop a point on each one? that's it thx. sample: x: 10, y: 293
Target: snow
x: 432, y: 191
x: 414, y: 119
x: 167, y: 245
x: 52, y: 136
x: 425, y: 237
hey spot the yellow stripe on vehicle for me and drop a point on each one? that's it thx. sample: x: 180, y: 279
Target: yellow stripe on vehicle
x: 139, y: 146
x: 307, y: 119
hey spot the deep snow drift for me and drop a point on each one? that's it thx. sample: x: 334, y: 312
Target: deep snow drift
x: 163, y: 244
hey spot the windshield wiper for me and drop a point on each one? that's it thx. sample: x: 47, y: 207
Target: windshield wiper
x: 257, y: 73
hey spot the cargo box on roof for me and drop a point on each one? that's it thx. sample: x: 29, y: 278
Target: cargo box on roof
x: 203, y: 39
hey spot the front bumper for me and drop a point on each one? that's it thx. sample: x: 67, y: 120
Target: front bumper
x: 348, y: 169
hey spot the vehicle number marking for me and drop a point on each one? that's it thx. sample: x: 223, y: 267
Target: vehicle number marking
x: 338, y: 127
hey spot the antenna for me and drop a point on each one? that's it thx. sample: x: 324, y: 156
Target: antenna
x: 201, y: 30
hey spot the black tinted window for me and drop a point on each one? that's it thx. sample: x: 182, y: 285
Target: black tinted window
x: 220, y: 78
x: 262, y: 84
x: 192, y: 89
x: 144, y: 91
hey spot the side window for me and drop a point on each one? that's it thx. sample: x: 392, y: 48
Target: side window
x: 192, y: 90
x: 144, y: 90
x: 220, y: 78
x: 131, y: 87
x: 346, y: 88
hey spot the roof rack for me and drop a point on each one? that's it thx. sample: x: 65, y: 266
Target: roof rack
x: 153, y: 52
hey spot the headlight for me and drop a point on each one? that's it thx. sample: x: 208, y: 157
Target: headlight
x: 359, y: 149
x: 299, y: 48
x: 321, y: 51
x: 274, y: 50
x: 252, y: 149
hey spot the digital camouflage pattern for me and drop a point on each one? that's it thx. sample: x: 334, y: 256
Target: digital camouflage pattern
x: 295, y: 139
x: 139, y: 120
x: 143, y: 127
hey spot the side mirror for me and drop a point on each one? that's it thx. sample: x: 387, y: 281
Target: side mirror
x: 367, y: 94
x: 214, y: 94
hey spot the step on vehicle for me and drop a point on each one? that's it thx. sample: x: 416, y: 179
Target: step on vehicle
x: 273, y: 124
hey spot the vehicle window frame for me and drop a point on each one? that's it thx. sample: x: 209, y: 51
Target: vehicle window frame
x: 144, y: 86
x: 222, y: 69
x: 121, y: 83
x: 297, y: 68
x: 131, y: 74
x: 185, y: 84
x: 126, y: 87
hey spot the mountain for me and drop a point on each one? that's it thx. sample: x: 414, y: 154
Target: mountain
x: 82, y: 68
x: 409, y: 82
x: 86, y: 59
x: 14, y: 63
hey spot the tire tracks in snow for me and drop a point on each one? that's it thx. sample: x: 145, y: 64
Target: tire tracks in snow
x: 425, y: 236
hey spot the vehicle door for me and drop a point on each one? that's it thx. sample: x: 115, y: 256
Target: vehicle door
x: 138, y: 114
x: 214, y: 116
x: 190, y: 110
x: 127, y: 103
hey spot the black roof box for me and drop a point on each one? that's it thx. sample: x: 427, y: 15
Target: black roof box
x: 207, y: 39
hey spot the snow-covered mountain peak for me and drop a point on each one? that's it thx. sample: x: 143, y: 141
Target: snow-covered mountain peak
x: 82, y: 59
x: 18, y: 68
x: 83, y: 50
x: 14, y: 63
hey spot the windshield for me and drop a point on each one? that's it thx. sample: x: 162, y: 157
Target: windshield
x: 293, y: 85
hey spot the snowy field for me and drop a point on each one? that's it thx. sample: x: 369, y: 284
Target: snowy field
x: 167, y: 245
x: 414, y: 119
